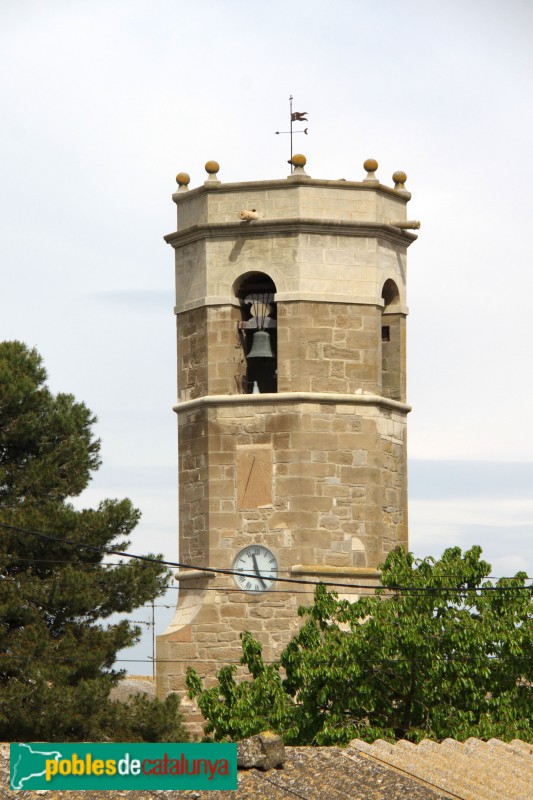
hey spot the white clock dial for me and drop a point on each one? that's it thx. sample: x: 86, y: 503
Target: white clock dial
x: 259, y: 566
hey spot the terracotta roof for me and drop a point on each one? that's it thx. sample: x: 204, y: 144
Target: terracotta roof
x: 474, y: 770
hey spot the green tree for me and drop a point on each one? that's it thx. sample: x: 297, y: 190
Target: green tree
x: 440, y: 652
x: 56, y: 654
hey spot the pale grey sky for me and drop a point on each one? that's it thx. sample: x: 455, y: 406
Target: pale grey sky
x: 103, y: 102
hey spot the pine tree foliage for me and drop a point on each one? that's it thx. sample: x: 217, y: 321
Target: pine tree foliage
x: 57, y: 653
x: 442, y: 656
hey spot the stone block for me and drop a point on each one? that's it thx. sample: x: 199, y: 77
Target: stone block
x: 264, y: 751
x: 283, y: 422
x: 281, y: 470
x: 312, y: 469
x: 315, y: 440
x: 340, y: 457
x: 360, y: 441
x: 328, y: 490
x: 309, y: 503
x: 329, y: 384
x: 361, y: 475
x: 282, y: 520
x: 224, y: 521
x: 294, y: 486
x: 233, y: 611
x: 330, y: 522
x: 282, y: 440
x: 337, y: 559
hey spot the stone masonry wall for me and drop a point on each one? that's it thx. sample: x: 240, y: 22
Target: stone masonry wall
x: 338, y: 478
x: 322, y: 347
x: 296, y: 197
x: 328, y: 347
x: 338, y: 481
x: 211, y: 359
x: 193, y: 463
x: 393, y: 357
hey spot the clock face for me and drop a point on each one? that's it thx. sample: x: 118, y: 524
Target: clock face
x: 259, y: 566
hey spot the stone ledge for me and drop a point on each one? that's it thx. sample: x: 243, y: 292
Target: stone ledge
x: 291, y: 226
x: 368, y: 573
x: 281, y: 398
x: 289, y: 182
x: 192, y: 575
x: 291, y: 297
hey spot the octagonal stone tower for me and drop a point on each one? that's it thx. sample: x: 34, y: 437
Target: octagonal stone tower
x: 290, y: 306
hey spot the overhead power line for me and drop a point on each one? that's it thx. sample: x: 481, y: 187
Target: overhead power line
x: 219, y: 571
x: 99, y: 564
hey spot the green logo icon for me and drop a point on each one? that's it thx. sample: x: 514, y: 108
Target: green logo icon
x: 38, y: 765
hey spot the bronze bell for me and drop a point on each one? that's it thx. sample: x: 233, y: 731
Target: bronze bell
x: 261, y: 346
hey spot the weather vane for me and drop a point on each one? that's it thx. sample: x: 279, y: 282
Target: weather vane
x: 295, y: 116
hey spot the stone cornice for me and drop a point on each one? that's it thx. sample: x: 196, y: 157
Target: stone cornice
x: 312, y: 570
x: 363, y: 573
x: 293, y: 297
x: 290, y: 226
x: 192, y: 574
x: 283, y: 398
x: 291, y: 182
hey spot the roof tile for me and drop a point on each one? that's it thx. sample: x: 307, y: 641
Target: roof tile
x: 473, y: 770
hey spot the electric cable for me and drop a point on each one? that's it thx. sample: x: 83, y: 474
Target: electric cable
x: 219, y: 571
x: 123, y: 564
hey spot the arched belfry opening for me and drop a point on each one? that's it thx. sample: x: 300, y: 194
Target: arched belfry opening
x: 391, y: 342
x: 258, y: 332
x: 390, y: 294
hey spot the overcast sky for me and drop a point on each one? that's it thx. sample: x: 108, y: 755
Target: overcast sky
x: 103, y: 103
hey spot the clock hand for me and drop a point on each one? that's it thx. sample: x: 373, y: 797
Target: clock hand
x: 256, y: 570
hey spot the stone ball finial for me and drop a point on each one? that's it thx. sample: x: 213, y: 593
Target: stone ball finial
x: 399, y: 177
x: 298, y: 160
x: 212, y: 167
x: 370, y: 165
x: 183, y: 180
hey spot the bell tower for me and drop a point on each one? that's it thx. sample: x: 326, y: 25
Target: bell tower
x: 291, y: 309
